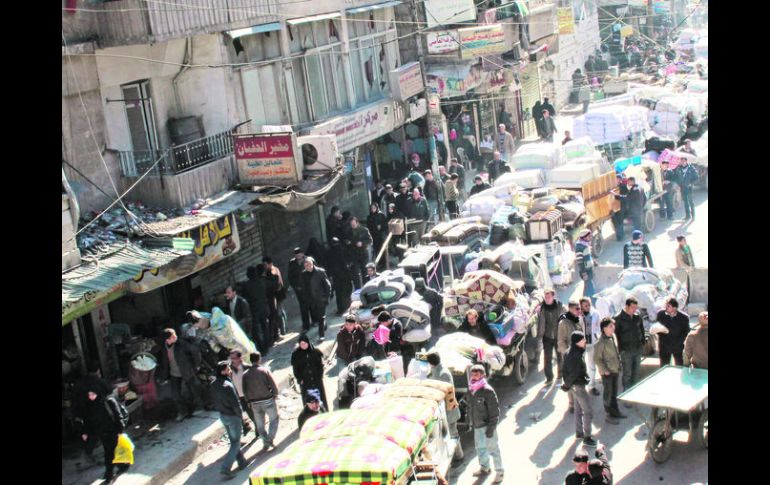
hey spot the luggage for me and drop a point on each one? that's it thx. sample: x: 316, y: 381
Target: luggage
x: 460, y: 234
x: 443, y: 227
x: 543, y: 226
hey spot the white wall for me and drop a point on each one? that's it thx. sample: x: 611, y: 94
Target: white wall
x: 574, y: 50
x: 202, y: 91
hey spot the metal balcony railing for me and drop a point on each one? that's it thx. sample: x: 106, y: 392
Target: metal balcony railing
x: 179, y: 158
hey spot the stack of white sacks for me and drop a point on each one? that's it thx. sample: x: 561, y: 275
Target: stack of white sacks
x: 648, y: 285
x: 611, y: 124
x: 668, y: 119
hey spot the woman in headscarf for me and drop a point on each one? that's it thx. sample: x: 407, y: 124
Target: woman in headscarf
x: 102, y: 418
x: 307, y: 362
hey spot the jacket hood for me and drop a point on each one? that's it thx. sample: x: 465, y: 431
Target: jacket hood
x: 305, y: 338
x: 569, y: 317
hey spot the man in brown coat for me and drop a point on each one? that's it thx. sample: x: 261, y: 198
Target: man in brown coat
x: 696, y: 345
x: 351, y: 340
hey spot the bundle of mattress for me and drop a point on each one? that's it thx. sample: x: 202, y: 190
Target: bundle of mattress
x: 414, y: 314
x: 443, y: 227
x: 611, y: 124
x: 527, y: 179
x: 472, y: 348
x: 667, y: 123
x: 448, y: 389
x: 224, y: 332
x: 648, y: 285
x: 578, y: 148
x: 386, y: 288
x: 573, y: 175
x: 571, y: 211
x: 481, y: 206
x: 503, y: 191
x: 682, y: 103
x: 536, y: 155
x: 477, y: 290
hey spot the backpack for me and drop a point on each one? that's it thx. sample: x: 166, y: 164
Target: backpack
x: 121, y: 419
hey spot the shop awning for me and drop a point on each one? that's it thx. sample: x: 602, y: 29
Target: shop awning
x: 314, y: 18
x: 294, y: 201
x: 376, y: 6
x: 218, y: 206
x: 103, y: 274
x: 256, y: 29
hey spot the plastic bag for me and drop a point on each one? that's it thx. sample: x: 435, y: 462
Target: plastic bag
x: 657, y: 328
x: 124, y: 451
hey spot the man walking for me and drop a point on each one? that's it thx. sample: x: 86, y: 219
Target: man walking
x: 418, y: 209
x: 683, y: 254
x: 296, y: 266
x: 358, y: 242
x: 505, y: 143
x: 667, y: 201
x: 636, y: 254
x: 342, y: 276
x: 431, y: 194
x: 547, y: 318
x: 630, y: 334
x: 607, y: 360
x: 226, y: 403
x: 496, y: 166
x: 178, y: 364
x: 484, y: 414
x: 591, y: 320
x: 687, y: 177
x: 261, y: 391
x: 238, y: 308
x: 575, y: 380
x: 635, y: 203
x: 317, y: 288
x: 275, y: 294
x: 584, y: 262
x: 569, y: 322
x: 549, y: 126
x: 239, y: 368
x: 672, y: 342
x: 452, y: 195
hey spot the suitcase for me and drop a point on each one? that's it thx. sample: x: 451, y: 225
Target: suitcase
x: 543, y: 226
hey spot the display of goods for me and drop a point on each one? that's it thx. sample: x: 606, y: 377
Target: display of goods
x: 440, y: 228
x: 445, y: 387
x: 573, y: 175
x: 536, y: 155
x: 483, y: 207
x: 543, y: 226
x: 527, y: 179
x: 224, y: 332
x: 351, y: 459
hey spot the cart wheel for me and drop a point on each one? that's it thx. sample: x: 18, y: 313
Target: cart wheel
x: 598, y: 244
x: 520, y: 368
x: 648, y: 221
x: 660, y: 442
x: 702, y: 431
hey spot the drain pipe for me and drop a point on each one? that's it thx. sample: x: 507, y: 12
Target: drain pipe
x: 187, y: 60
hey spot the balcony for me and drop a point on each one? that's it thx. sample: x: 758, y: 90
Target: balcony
x: 185, y: 173
x: 126, y: 22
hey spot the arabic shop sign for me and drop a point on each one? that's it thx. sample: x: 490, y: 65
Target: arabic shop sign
x: 360, y: 127
x: 406, y: 81
x: 266, y: 159
x: 442, y: 42
x: 481, y: 41
x: 214, y: 241
x: 566, y: 20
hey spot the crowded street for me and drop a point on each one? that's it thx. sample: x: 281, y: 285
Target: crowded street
x: 397, y: 242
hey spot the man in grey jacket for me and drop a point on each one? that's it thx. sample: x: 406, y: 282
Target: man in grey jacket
x: 438, y: 372
x: 261, y: 391
x: 484, y: 414
x: 224, y: 397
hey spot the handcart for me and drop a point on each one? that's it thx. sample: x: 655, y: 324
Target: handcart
x: 678, y: 397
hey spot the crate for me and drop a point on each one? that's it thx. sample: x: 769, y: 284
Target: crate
x: 543, y: 226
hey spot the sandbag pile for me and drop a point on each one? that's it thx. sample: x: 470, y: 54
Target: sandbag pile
x: 648, y: 285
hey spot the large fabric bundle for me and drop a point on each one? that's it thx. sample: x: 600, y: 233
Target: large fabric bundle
x: 225, y: 332
x: 527, y: 179
x: 386, y: 288
x: 465, y: 234
x: 443, y: 227
x: 536, y: 155
x: 571, y: 211
x: 473, y: 347
x: 578, y: 148
x: 413, y: 312
x: 667, y: 124
x: 481, y: 206
x: 477, y: 290
x: 503, y: 192
x: 445, y: 387
x: 573, y: 175
x: 412, y: 408
x: 346, y: 460
x: 649, y: 286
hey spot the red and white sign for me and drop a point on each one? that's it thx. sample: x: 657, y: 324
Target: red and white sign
x: 266, y: 159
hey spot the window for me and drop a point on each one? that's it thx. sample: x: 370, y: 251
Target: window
x: 316, y: 86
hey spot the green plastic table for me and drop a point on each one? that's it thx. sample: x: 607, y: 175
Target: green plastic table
x: 673, y: 387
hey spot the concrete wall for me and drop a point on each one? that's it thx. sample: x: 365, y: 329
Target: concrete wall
x: 81, y: 143
x: 574, y: 50
x: 202, y: 91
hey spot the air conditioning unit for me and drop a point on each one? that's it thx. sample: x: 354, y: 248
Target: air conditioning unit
x: 319, y: 152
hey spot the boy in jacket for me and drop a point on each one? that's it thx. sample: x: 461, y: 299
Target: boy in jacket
x: 575, y: 381
x: 484, y: 414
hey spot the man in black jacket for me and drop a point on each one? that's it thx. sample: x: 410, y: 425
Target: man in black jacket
x: 635, y: 203
x: 430, y: 190
x: 255, y: 293
x: 334, y: 227
x: 238, y: 308
x: 575, y: 381
x: 296, y: 266
x: 342, y: 276
x: 351, y: 340
x: 179, y: 363
x: 669, y: 183
x: 630, y: 334
x: 479, y: 185
x: 433, y: 298
x: 226, y: 403
x: 358, y: 241
x: 316, y: 286
x: 678, y: 325
x: 593, y: 472
x: 618, y: 218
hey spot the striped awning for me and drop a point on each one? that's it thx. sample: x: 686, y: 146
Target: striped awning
x: 123, y: 264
